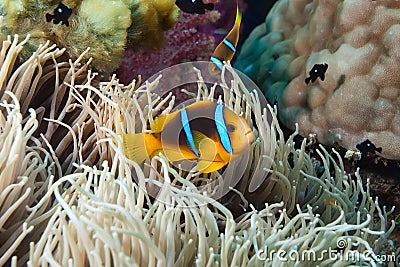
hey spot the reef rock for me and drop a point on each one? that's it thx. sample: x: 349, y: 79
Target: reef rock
x: 359, y: 96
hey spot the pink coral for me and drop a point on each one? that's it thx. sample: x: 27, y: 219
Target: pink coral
x: 360, y: 96
x: 184, y: 41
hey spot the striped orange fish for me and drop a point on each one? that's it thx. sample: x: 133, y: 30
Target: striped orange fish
x: 204, y: 131
x: 227, y: 48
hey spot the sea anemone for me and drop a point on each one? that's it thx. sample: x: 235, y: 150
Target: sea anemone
x: 72, y: 195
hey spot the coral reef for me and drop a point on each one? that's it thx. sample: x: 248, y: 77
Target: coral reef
x: 107, y: 27
x: 82, y: 202
x: 253, y: 16
x: 359, y: 98
x: 185, y: 41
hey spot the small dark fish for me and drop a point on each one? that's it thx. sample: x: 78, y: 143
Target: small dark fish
x: 318, y: 70
x: 61, y: 14
x: 194, y: 6
x: 368, y: 147
x: 275, y: 102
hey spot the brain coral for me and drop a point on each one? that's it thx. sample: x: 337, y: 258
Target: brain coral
x: 359, y: 97
x: 108, y: 27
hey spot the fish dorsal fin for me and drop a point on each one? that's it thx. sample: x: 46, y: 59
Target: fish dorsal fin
x: 157, y: 124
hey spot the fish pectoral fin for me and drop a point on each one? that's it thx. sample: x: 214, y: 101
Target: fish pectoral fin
x: 198, y: 137
x: 210, y: 160
x: 206, y: 146
x: 205, y: 166
x: 134, y: 147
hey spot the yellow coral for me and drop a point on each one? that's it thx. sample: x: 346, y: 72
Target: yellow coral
x: 157, y: 16
x: 108, y: 27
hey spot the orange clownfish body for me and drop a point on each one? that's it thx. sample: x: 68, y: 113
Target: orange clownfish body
x: 204, y: 131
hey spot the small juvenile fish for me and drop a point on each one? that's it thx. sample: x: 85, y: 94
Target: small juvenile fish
x: 194, y: 6
x: 227, y: 48
x: 204, y: 131
x: 318, y: 70
x: 61, y: 14
x: 275, y: 102
x: 367, y: 147
x: 332, y: 202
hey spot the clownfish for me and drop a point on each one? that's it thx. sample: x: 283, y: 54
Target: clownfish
x: 194, y: 6
x: 227, y: 48
x: 204, y: 131
x: 61, y: 14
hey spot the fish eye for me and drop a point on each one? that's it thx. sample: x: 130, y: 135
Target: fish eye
x: 230, y: 128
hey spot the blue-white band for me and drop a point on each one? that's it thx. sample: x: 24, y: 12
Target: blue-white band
x: 188, y: 131
x: 221, y: 127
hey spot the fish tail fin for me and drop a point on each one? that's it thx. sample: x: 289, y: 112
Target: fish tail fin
x: 139, y: 147
x: 209, y: 6
x: 307, y: 80
x: 379, y: 149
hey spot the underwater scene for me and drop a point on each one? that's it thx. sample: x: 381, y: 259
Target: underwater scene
x: 199, y: 133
